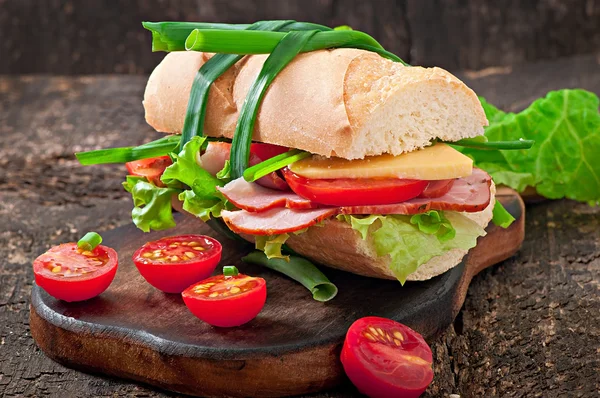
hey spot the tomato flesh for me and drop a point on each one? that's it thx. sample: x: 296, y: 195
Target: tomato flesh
x: 266, y: 151
x: 151, y: 168
x: 71, y: 274
x: 173, y: 263
x: 435, y: 189
x: 354, y: 191
x: 226, y: 301
x: 384, y: 358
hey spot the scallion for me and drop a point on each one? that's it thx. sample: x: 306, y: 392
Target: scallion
x: 160, y: 147
x: 261, y: 42
x: 300, y: 270
x: 288, y: 47
x: 208, y: 73
x: 273, y: 164
x: 504, y: 145
x: 90, y: 241
x: 230, y: 270
x: 171, y: 36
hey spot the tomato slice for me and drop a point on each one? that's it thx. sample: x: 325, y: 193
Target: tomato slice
x: 435, y: 189
x: 384, y: 358
x: 267, y: 151
x: 226, y: 301
x: 354, y: 191
x: 71, y: 274
x: 151, y: 168
x: 173, y: 263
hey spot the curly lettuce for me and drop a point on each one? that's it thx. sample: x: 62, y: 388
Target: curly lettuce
x: 152, y: 204
x: 563, y: 161
x: 411, y: 241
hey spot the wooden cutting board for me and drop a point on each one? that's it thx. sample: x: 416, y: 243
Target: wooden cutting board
x: 137, y: 332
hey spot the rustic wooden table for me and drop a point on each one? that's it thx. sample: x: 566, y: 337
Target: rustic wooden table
x: 530, y: 325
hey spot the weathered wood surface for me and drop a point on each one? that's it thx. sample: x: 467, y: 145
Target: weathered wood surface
x: 66, y: 36
x: 291, y: 348
x: 529, y: 327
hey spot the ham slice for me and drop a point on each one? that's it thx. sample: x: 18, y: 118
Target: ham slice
x: 274, y: 221
x: 216, y: 153
x: 469, y: 194
x: 255, y: 198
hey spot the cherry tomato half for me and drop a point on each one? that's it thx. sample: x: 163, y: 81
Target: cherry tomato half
x: 151, y: 168
x: 71, y: 274
x: 226, y: 301
x: 384, y: 358
x: 354, y: 191
x: 173, y: 263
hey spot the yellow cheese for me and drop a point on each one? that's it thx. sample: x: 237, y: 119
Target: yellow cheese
x: 437, y: 162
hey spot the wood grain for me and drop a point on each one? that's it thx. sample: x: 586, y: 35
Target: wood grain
x: 454, y: 34
x: 292, y: 347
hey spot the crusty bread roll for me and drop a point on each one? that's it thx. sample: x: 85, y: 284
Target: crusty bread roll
x: 343, y: 102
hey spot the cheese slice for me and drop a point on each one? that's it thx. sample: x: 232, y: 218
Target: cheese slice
x: 437, y: 162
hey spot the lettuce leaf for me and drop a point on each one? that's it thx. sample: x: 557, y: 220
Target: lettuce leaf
x: 500, y: 216
x: 271, y: 245
x: 152, y: 204
x: 203, y: 200
x: 563, y: 162
x: 412, y: 241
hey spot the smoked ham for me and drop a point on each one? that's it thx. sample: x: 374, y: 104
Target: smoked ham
x: 255, y: 198
x: 274, y: 221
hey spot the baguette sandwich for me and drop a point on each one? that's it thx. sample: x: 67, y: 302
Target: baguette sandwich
x: 339, y: 155
x: 347, y: 108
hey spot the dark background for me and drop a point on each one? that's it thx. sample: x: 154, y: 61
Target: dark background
x: 95, y: 36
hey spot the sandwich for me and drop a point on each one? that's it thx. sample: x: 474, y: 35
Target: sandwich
x: 354, y: 161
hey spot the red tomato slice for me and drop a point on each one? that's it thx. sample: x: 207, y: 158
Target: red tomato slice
x: 173, y: 263
x: 384, y: 358
x: 226, y: 301
x: 151, y: 168
x: 266, y: 151
x: 71, y: 274
x: 435, y: 189
x: 354, y: 191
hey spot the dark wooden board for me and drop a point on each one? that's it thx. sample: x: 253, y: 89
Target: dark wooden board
x: 135, y: 331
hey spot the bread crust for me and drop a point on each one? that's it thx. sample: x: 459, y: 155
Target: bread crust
x: 343, y: 102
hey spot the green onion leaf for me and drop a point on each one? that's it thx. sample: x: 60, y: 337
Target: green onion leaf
x: 273, y: 164
x: 284, y: 53
x: 152, y: 149
x: 89, y: 241
x: 478, y: 143
x: 300, y: 270
x: 171, y: 36
x: 260, y: 42
x: 208, y: 73
x: 230, y: 270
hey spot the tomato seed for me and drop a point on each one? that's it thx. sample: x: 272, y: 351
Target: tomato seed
x: 215, y: 294
x: 174, y: 258
x: 156, y: 255
x: 397, y: 342
x: 87, y: 253
x: 235, y: 290
x: 190, y: 254
x: 399, y: 336
x: 373, y: 331
x: 147, y: 255
x: 56, y: 269
x: 369, y: 336
x: 197, y: 248
x: 380, y: 332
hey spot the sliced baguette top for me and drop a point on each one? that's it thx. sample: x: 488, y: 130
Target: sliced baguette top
x: 344, y: 102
